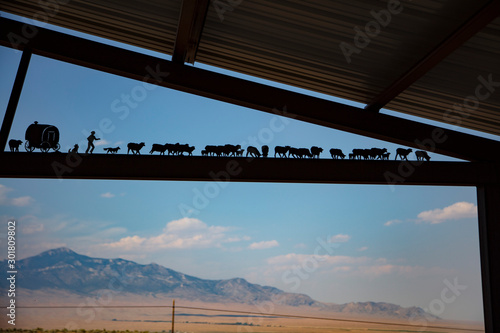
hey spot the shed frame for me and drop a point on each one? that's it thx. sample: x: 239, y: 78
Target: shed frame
x: 483, y: 171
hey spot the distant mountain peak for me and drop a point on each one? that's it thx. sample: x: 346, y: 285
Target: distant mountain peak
x: 59, y: 250
x: 65, y: 270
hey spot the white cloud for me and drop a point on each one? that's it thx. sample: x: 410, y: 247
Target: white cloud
x: 102, y: 142
x: 342, y: 269
x: 263, y: 245
x: 22, y: 201
x: 340, y: 238
x: 40, y: 233
x: 364, y: 248
x: 32, y: 228
x: 294, y: 259
x: 5, y: 200
x: 186, y: 233
x: 127, y: 243
x: 113, y: 231
x: 107, y: 195
x: 185, y: 224
x: 233, y: 240
x: 401, y: 270
x: 3, y: 194
x: 392, y: 222
x: 459, y: 210
x: 361, y: 266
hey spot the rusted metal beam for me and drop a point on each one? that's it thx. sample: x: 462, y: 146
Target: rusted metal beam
x: 249, y: 94
x: 189, y: 29
x: 472, y: 26
x: 241, y: 169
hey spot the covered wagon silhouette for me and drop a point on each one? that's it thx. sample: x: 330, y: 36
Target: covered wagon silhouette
x: 42, y: 136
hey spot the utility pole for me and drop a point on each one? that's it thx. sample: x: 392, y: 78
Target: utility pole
x: 173, y: 315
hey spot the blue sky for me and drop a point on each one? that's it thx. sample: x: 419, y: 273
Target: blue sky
x: 396, y: 244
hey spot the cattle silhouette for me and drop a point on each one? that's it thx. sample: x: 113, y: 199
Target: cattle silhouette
x: 377, y: 153
x: 265, y: 151
x: 422, y: 155
x: 337, y: 153
x: 299, y: 152
x: 281, y: 151
x: 360, y: 153
x: 14, y: 145
x: 315, y: 151
x: 253, y: 152
x: 402, y: 153
x: 225, y: 150
x: 180, y: 149
x: 159, y: 148
x: 135, y: 148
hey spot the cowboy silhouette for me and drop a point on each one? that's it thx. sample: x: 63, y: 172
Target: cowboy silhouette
x: 91, y: 140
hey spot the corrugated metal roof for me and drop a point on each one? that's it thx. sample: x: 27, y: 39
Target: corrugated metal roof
x: 449, y: 92
x: 353, y: 49
x: 300, y: 43
x: 148, y: 24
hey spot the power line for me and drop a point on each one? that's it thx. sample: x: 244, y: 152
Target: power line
x: 246, y: 313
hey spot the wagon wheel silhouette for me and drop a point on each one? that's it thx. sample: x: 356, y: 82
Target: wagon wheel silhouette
x: 44, y: 146
x: 28, y: 147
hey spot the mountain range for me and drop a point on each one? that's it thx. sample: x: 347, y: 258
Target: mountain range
x: 65, y: 270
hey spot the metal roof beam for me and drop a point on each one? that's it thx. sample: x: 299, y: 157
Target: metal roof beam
x: 246, y: 93
x: 189, y: 29
x: 477, y: 22
x: 14, y: 98
x: 241, y: 169
x: 488, y: 196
